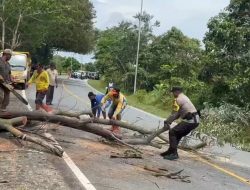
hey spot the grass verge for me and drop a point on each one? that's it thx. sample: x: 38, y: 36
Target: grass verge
x: 132, y: 100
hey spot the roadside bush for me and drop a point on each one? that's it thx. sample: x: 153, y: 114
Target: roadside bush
x: 228, y: 123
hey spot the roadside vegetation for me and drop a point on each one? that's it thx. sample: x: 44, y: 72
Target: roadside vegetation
x: 216, y: 78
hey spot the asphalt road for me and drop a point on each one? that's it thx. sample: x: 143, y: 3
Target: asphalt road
x: 92, y: 156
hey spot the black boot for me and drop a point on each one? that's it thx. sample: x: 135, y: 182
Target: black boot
x: 173, y: 156
x: 165, y: 153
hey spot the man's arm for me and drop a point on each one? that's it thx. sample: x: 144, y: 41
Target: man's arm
x: 121, y: 105
x: 1, y: 78
x: 172, y: 118
x: 175, y: 113
x: 105, y: 98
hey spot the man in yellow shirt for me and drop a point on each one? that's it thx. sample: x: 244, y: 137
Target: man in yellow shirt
x: 119, y: 103
x: 41, y: 79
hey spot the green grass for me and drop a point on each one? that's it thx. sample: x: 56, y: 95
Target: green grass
x: 132, y: 100
x: 98, y: 85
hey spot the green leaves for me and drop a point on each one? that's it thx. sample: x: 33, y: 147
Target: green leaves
x: 228, y: 123
x: 59, y: 24
x: 116, y: 52
x: 227, y: 45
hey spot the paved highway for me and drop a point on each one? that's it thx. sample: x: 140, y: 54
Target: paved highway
x: 92, y: 159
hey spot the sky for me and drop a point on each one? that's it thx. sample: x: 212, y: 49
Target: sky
x: 190, y: 16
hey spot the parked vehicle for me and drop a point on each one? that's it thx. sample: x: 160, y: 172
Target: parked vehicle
x: 74, y: 75
x: 20, y: 63
x: 93, y: 75
x: 84, y: 75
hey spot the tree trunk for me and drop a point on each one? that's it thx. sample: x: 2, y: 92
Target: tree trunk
x: 92, y: 125
x: 14, y: 43
x: 3, y: 25
x: 7, y: 124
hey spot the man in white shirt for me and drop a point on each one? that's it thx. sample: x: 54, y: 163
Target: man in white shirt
x: 52, y: 72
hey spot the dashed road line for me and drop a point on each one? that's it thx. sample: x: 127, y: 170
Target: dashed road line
x: 78, y: 173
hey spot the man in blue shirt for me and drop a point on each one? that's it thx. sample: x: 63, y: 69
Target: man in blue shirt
x: 96, y: 100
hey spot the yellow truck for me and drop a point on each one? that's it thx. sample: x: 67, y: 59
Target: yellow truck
x: 20, y: 63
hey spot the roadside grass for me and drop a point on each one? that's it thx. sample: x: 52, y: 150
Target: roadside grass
x: 133, y: 100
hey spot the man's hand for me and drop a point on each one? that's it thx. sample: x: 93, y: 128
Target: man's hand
x: 113, y: 118
x: 1, y: 79
x: 103, y: 107
x: 167, y: 124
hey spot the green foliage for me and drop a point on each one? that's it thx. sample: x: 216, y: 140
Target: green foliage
x: 228, y: 123
x: 66, y: 64
x: 116, y: 52
x: 90, y: 67
x: 228, y: 48
x: 39, y: 26
x: 58, y: 61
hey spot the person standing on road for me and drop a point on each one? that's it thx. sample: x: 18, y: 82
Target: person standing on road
x: 182, y: 108
x: 41, y: 79
x: 5, y: 76
x: 109, y: 87
x: 53, y: 74
x: 119, y: 103
x: 96, y: 108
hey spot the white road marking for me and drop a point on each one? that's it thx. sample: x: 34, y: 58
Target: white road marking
x: 78, y: 173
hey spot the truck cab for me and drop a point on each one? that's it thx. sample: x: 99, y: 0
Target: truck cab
x: 20, y: 63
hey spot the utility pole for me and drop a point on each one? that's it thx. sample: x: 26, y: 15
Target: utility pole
x: 71, y: 60
x: 138, y: 48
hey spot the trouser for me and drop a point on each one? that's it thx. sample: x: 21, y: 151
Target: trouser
x: 177, y: 132
x: 4, y: 98
x: 40, y: 97
x: 50, y: 94
x: 39, y: 101
x: 97, y: 112
x: 112, y: 111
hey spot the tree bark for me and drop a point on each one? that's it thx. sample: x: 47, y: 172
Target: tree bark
x: 62, y: 120
x: 3, y: 25
x: 91, y: 125
x: 14, y: 43
x: 7, y: 124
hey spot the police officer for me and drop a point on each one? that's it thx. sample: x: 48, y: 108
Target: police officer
x: 184, y: 109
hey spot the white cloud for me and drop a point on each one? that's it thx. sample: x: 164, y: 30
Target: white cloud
x: 191, y: 16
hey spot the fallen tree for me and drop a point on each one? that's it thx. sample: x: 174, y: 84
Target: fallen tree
x: 74, y: 120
